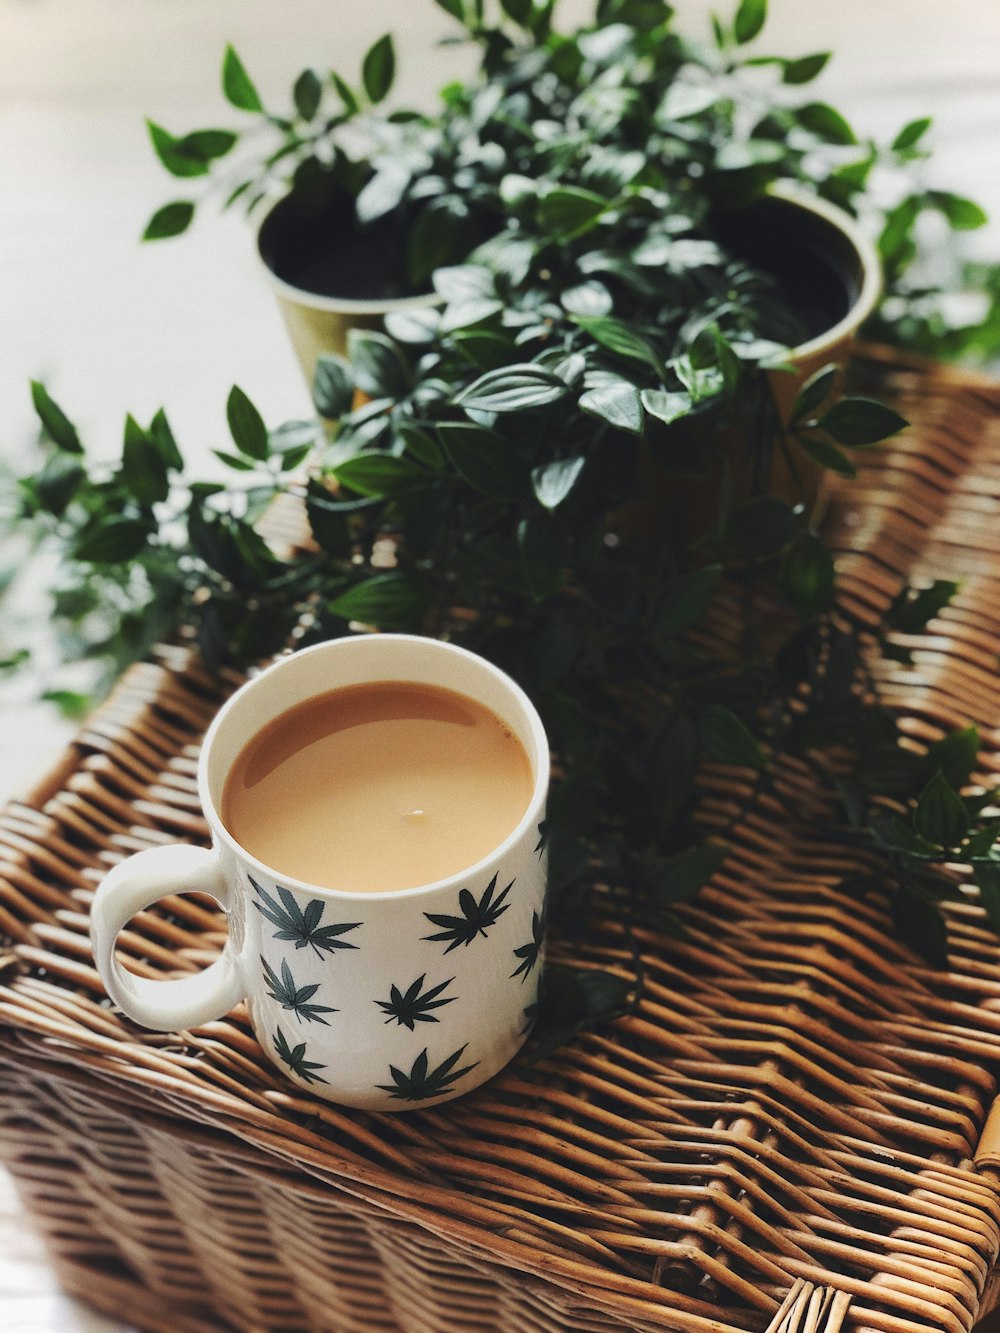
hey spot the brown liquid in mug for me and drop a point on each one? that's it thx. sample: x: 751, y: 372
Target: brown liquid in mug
x: 377, y: 787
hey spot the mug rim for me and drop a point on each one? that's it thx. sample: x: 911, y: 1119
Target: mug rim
x: 530, y: 816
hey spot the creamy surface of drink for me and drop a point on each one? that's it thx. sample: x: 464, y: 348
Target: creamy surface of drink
x: 378, y: 787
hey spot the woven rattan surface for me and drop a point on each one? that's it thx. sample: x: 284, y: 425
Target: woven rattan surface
x: 783, y: 1135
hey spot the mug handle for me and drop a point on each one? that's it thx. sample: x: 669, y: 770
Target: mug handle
x: 132, y: 886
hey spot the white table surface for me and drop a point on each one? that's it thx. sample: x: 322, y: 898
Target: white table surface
x: 112, y: 326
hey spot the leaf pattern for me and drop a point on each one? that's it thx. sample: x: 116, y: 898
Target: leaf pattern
x: 421, y: 1083
x: 295, y: 1058
x: 302, y: 926
x: 528, y: 953
x: 293, y: 997
x: 413, y: 1006
x: 476, y: 917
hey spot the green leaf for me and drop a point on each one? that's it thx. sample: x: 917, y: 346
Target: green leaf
x: 114, y: 541
x: 382, y: 193
x: 910, y: 612
x: 589, y: 299
x: 685, y: 873
x: 826, y: 123
x: 682, y: 100
x: 920, y: 924
x: 380, y: 474
x: 954, y: 756
x: 380, y: 369
x: 384, y: 601
x: 553, y: 482
x: 814, y: 392
x: 804, y: 69
x: 143, y: 468
x: 512, y: 389
x: 543, y: 552
x: 58, y: 482
x: 170, y: 220
x: 332, y: 387
x: 760, y: 528
x: 685, y: 600
x: 940, y: 816
x: 672, y: 768
x: 351, y: 104
x: 378, y: 69
x: 911, y: 134
x: 237, y: 85
x: 667, y: 405
x: 827, y: 455
x: 191, y: 155
x: 750, y: 19
x: 725, y: 739
x: 860, y: 421
x: 57, y: 424
x: 163, y: 437
x: 570, y: 211
x: 620, y: 338
x: 484, y: 459
x: 517, y: 10
x: 987, y: 877
x: 618, y: 404
x: 246, y: 425
x: 453, y: 7
x: 962, y: 214
x: 808, y: 576
x: 306, y: 93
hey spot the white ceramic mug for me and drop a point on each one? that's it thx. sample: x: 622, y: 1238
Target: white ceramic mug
x: 377, y: 1000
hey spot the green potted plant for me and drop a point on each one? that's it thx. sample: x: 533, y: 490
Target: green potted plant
x: 362, y: 203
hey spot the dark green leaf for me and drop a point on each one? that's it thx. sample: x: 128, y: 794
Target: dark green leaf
x: 954, y: 756
x: 143, y: 468
x: 115, y: 540
x: 170, y: 220
x: 237, y: 85
x: 307, y: 93
x: 552, y: 482
x: 911, y: 612
x: 58, y: 482
x: 512, y: 389
x: 987, y: 877
x: 940, y: 816
x: 453, y: 7
x: 386, y: 601
x: 725, y: 739
x: 380, y: 368
x: 910, y: 135
x: 345, y: 93
x: 484, y: 459
x: 685, y: 600
x: 827, y: 455
x: 570, y: 211
x: 763, y: 527
x: 861, y: 421
x: 750, y: 19
x: 685, y: 873
x: 379, y: 69
x: 805, y: 68
x: 814, y: 392
x: 890, y: 832
x: 673, y: 765
x: 380, y: 474
x: 518, y: 10
x: 437, y: 236
x: 332, y: 387
x: 619, y: 338
x: 920, y: 924
x: 543, y: 550
x: 246, y: 425
x: 58, y: 426
x: 191, y: 155
x: 826, y: 123
x: 807, y: 575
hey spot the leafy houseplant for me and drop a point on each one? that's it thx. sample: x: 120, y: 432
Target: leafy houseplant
x: 484, y: 457
x: 562, y: 129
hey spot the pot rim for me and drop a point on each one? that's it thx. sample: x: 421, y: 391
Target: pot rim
x: 869, y: 267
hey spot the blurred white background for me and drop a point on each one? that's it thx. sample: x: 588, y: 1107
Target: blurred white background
x: 113, y: 326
